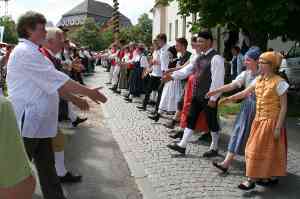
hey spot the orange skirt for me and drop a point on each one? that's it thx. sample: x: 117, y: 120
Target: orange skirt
x: 265, y: 156
x: 201, y: 122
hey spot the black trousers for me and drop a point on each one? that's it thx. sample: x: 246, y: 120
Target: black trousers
x: 40, y: 151
x: 160, y: 90
x: 152, y: 85
x: 199, y: 105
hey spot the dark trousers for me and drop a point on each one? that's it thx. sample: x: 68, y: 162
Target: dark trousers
x: 160, y: 90
x: 199, y: 105
x: 152, y: 85
x: 41, y: 152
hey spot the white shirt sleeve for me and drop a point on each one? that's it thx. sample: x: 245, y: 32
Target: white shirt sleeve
x: 282, y: 87
x: 164, y: 60
x: 184, y: 72
x: 144, y: 62
x: 217, y: 75
x: 41, y: 71
x: 240, y: 79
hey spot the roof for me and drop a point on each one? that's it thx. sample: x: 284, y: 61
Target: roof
x: 93, y: 7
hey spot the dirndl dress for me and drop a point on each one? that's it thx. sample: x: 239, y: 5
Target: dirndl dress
x: 136, y: 81
x: 171, y: 95
x: 242, y: 126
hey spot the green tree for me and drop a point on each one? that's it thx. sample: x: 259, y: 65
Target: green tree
x: 141, y: 32
x: 10, y: 34
x: 263, y: 20
x: 88, y: 35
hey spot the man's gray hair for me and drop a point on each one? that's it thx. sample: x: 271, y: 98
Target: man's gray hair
x: 52, y: 32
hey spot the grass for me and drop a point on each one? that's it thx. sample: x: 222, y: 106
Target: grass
x: 234, y: 108
x: 229, y: 109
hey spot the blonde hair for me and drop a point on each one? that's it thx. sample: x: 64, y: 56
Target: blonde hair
x: 52, y: 32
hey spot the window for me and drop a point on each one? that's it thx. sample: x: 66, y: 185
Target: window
x: 170, y: 31
x: 184, y: 26
x: 176, y: 28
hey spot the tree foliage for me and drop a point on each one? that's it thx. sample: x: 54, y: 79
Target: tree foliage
x: 10, y: 34
x: 88, y: 35
x: 141, y: 32
x: 264, y: 20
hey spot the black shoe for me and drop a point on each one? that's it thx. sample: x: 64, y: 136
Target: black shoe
x: 128, y: 100
x: 217, y: 165
x: 117, y: 92
x: 70, y: 178
x: 155, y: 117
x: 177, y: 148
x: 171, y: 124
x: 205, y: 138
x: 243, y: 186
x: 113, y: 88
x: 78, y: 121
x: 179, y: 134
x: 210, y: 154
x: 267, y: 182
x: 142, y: 108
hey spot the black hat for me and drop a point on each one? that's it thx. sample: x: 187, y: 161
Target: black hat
x: 206, y: 35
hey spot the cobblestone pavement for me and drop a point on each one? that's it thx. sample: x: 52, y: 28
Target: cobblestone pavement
x: 92, y: 151
x: 182, y: 177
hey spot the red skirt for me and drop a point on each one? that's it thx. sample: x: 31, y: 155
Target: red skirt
x: 201, y: 125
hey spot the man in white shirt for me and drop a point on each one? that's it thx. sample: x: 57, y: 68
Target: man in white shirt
x: 164, y: 61
x: 34, y: 86
x: 210, y: 73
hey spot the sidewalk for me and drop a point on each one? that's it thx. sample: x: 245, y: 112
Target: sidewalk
x: 92, y: 151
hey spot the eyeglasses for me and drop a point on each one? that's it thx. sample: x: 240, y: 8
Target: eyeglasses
x: 264, y: 62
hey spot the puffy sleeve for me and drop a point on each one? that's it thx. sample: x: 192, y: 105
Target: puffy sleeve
x: 240, y: 79
x: 282, y: 87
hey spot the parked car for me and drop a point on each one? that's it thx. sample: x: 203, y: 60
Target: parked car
x: 291, y: 67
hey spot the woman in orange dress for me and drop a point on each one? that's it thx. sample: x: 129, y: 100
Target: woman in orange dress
x: 266, y: 149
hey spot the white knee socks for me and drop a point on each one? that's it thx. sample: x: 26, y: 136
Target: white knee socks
x: 60, y: 163
x: 186, y: 136
x: 215, y: 141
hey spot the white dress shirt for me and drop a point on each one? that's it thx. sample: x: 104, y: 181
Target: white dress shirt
x: 156, y: 69
x: 164, y: 58
x: 187, y: 70
x: 33, y: 83
x: 143, y: 60
x: 217, y: 74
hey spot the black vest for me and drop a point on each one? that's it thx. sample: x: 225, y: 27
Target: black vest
x: 203, y: 78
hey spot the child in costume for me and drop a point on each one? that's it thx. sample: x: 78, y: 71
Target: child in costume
x: 243, y: 122
x: 266, y: 149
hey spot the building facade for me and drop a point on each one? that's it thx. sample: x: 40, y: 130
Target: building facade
x: 101, y: 12
x: 166, y: 20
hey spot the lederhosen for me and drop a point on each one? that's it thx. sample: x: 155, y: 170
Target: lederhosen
x: 199, y: 101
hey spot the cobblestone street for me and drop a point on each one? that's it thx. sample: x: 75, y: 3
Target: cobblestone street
x: 143, y: 144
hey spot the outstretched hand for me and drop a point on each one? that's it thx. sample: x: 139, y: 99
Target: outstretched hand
x: 97, y: 96
x: 82, y: 104
x: 225, y: 100
x: 167, y: 77
x: 211, y: 93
